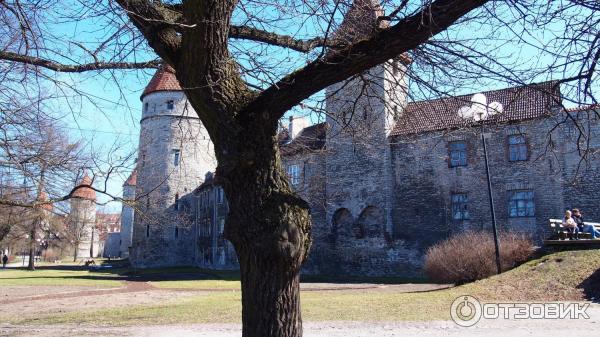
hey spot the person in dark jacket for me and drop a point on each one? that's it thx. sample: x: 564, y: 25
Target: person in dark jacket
x: 583, y: 228
x: 4, y: 260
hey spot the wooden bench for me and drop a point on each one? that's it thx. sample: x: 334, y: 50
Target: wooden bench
x: 560, y: 232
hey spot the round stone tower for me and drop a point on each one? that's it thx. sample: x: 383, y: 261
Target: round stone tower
x: 127, y: 214
x: 174, y: 154
x: 82, y: 220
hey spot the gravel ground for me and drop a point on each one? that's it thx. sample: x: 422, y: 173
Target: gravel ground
x: 490, y: 328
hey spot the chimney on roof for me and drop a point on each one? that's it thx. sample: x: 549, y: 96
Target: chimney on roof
x: 297, y: 124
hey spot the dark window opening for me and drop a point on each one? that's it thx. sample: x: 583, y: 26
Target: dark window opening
x: 170, y: 105
x: 517, y: 148
x: 176, y: 157
x: 458, y: 154
x: 176, y: 206
x: 147, y: 231
x: 521, y: 204
x: 460, y: 202
x: 176, y: 232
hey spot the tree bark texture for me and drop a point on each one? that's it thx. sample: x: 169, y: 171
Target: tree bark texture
x: 269, y: 227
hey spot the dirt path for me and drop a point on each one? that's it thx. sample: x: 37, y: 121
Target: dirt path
x: 32, y: 301
x: 24, y: 302
x: 129, y: 287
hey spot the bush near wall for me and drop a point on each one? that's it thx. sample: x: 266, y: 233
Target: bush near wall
x: 470, y: 256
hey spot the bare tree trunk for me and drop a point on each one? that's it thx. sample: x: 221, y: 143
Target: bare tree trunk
x: 270, y: 228
x: 270, y: 298
x: 31, y: 263
x: 75, y: 251
x: 92, y: 244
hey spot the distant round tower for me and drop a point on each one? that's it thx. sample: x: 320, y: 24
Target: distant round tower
x: 174, y: 154
x: 82, y: 220
x: 127, y: 215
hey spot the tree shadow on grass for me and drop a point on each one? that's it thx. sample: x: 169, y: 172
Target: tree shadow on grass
x: 591, y: 287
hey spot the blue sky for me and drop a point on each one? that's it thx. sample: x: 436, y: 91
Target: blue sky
x: 109, y: 120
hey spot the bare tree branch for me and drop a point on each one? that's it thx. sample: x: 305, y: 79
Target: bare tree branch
x: 75, y: 68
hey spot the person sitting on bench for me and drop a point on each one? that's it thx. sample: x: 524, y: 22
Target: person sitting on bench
x: 571, y: 226
x: 583, y: 228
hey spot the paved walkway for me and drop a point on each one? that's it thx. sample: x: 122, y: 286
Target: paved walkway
x: 497, y: 328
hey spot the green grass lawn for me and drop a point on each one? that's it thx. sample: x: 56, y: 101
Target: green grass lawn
x: 560, y: 276
x: 64, y: 275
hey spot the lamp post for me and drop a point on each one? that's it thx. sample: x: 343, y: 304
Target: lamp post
x: 490, y: 195
x: 479, y: 111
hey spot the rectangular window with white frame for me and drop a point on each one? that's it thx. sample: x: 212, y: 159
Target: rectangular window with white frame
x: 460, y: 204
x: 521, y: 204
x: 458, y: 153
x: 293, y: 172
x: 517, y: 148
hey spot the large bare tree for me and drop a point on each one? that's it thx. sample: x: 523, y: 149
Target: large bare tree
x: 241, y: 90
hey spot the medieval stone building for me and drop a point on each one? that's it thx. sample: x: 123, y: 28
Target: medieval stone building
x: 385, y: 178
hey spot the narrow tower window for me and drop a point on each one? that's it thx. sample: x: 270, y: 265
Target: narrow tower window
x: 293, y: 172
x: 170, y: 104
x: 147, y: 231
x: 220, y: 195
x: 176, y: 201
x: 176, y: 232
x: 176, y: 156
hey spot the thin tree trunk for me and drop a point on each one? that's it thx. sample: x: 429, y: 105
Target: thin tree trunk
x: 92, y: 244
x: 75, y: 251
x: 31, y: 263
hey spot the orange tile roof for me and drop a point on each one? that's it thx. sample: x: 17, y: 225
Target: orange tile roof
x: 85, y: 192
x: 163, y: 80
x: 132, y: 180
x: 520, y: 103
x: 44, y: 197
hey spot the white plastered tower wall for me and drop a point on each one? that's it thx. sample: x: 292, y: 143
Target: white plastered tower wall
x: 175, y: 152
x: 82, y: 219
x: 127, y: 216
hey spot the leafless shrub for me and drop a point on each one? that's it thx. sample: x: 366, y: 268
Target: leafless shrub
x: 470, y: 256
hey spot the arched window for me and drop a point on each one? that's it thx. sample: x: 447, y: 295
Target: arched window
x: 341, y: 223
x: 371, y: 222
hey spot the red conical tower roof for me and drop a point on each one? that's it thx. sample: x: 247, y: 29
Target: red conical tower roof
x: 163, y: 80
x: 85, y: 192
x: 44, y: 197
x: 132, y: 180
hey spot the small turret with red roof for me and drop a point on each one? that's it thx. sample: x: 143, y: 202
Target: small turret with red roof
x: 83, y: 190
